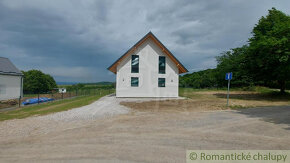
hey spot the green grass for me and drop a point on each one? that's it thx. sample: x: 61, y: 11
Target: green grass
x: 51, y: 107
x: 216, y: 89
x: 258, y: 89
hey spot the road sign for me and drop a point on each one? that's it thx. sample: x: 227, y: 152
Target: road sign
x: 229, y: 76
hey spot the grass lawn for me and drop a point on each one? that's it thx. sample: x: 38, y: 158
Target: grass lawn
x: 257, y: 96
x: 51, y: 107
x: 213, y: 99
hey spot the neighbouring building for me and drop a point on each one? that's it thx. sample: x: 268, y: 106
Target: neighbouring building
x: 148, y: 69
x: 11, y: 80
x: 61, y: 90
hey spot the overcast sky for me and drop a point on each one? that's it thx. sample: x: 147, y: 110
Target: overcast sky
x: 75, y: 41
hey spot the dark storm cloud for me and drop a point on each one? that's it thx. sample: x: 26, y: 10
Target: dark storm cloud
x: 77, y: 40
x: 48, y: 40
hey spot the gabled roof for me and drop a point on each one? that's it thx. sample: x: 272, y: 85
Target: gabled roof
x: 149, y: 35
x: 7, y: 67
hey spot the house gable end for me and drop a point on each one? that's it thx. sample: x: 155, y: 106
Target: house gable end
x: 181, y: 68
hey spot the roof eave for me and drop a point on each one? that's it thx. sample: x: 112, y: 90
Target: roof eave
x: 12, y: 74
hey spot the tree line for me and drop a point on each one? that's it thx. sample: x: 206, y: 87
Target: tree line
x: 264, y: 61
x: 35, y: 82
x: 88, y: 86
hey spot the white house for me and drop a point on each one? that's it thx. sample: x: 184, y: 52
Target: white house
x: 148, y: 69
x: 61, y: 90
x: 11, y: 80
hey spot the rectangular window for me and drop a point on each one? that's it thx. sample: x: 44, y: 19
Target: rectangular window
x: 161, y: 82
x: 134, y: 81
x: 162, y: 62
x: 135, y: 64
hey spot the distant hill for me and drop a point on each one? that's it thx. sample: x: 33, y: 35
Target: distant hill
x: 97, y: 83
x: 66, y: 83
x: 100, y: 83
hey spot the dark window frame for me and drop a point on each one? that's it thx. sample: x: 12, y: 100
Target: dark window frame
x: 132, y: 84
x: 135, y: 68
x: 162, y: 69
x: 161, y: 84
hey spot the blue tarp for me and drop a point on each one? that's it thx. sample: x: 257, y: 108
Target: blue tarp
x: 35, y: 100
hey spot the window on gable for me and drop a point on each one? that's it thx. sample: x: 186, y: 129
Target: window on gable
x: 134, y: 81
x: 162, y: 61
x: 135, y: 64
x: 161, y: 82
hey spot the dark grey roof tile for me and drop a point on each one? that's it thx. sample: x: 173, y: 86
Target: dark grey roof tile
x: 7, y: 67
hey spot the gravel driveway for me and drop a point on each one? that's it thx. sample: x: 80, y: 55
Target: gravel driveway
x: 107, y: 132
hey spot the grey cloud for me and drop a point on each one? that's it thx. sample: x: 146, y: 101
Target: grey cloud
x: 77, y: 40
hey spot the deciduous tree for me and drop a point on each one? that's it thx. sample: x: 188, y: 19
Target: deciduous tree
x: 269, y: 49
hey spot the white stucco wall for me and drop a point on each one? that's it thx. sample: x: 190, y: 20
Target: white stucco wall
x: 10, y: 87
x: 148, y: 74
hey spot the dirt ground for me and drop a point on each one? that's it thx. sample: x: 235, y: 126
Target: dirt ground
x: 144, y: 134
x: 209, y: 101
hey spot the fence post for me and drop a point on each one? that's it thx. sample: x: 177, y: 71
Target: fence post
x: 19, y: 102
x: 38, y: 98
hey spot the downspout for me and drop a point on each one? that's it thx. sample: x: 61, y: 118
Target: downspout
x: 21, y: 90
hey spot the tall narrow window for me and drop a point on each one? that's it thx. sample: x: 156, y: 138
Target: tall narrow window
x: 134, y: 81
x: 162, y: 62
x: 161, y: 82
x: 135, y: 64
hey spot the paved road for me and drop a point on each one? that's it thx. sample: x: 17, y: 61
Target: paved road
x: 141, y: 136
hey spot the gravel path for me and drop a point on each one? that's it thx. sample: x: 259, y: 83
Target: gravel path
x: 106, y: 106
